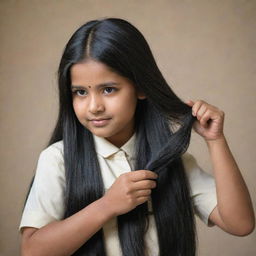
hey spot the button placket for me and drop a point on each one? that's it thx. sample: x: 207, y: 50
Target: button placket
x: 122, y: 163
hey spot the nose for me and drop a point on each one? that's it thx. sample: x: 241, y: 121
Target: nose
x: 95, y: 104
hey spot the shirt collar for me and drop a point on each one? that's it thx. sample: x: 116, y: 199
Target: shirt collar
x: 106, y: 148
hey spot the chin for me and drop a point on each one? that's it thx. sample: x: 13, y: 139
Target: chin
x: 102, y: 133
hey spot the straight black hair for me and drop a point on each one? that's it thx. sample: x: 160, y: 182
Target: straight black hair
x: 163, y: 124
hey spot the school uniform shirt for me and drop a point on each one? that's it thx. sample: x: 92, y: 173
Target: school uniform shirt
x: 46, y: 199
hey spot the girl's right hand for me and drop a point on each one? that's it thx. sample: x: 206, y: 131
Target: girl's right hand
x: 129, y: 190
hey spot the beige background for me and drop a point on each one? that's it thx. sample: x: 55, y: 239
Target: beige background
x: 205, y: 49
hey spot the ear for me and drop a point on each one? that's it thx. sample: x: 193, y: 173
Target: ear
x: 141, y: 95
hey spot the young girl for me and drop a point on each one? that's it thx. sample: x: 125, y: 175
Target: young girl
x: 115, y: 178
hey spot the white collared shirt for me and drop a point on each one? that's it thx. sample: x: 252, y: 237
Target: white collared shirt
x: 46, y: 199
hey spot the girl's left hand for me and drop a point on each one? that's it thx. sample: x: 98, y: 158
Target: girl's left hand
x: 210, y: 120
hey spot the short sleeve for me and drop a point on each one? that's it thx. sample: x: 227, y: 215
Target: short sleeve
x: 203, y: 189
x: 45, y: 201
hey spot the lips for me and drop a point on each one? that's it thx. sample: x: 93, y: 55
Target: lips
x: 99, y: 119
x: 100, y: 122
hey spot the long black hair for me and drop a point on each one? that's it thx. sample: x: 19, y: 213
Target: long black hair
x: 163, y: 124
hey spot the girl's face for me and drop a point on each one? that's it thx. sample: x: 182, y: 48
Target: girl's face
x: 104, y: 102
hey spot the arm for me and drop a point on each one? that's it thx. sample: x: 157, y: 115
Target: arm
x: 63, y: 238
x: 234, y: 212
x: 66, y: 236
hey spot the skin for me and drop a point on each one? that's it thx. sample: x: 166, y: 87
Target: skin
x: 117, y: 102
x: 233, y: 213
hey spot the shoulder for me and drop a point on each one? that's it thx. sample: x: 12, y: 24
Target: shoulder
x: 192, y: 169
x: 51, y: 161
x: 55, y: 148
x: 45, y: 201
x: 202, y: 188
x: 54, y: 152
x: 197, y: 177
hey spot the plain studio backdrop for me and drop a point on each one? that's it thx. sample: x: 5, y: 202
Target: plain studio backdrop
x: 205, y: 50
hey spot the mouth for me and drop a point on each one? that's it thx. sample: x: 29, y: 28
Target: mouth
x: 100, y: 122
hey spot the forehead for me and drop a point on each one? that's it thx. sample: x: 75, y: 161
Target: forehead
x: 91, y: 72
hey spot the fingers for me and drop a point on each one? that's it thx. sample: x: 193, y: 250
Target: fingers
x: 190, y: 103
x: 199, y: 108
x: 142, y: 195
x: 142, y: 199
x: 138, y: 184
x: 142, y: 175
x: 143, y: 184
x: 140, y: 179
x: 204, y: 112
x: 205, y: 117
x: 143, y: 192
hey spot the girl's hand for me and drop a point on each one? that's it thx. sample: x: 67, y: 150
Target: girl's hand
x: 210, y: 120
x: 129, y: 190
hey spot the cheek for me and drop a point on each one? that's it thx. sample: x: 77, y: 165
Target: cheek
x: 78, y: 108
x: 126, y: 102
x: 125, y: 107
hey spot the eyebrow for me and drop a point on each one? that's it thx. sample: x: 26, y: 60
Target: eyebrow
x: 97, y: 86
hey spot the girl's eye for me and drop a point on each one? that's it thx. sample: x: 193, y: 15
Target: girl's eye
x: 80, y: 92
x: 110, y: 89
x: 83, y: 93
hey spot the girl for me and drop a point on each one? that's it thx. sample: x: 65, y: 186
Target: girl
x: 115, y: 178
